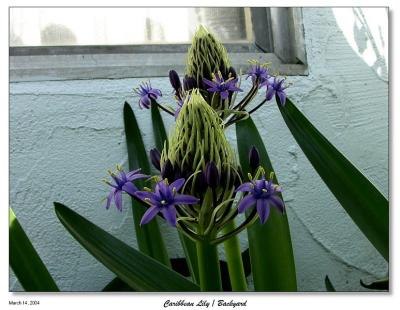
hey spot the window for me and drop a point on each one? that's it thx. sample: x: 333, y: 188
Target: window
x: 69, y: 43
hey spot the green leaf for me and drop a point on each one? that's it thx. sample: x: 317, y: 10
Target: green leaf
x: 328, y: 285
x: 382, y: 285
x: 270, y: 245
x: 140, y: 272
x: 367, y: 207
x: 159, y: 133
x: 117, y: 285
x: 25, y: 261
x: 148, y: 236
x: 189, y: 247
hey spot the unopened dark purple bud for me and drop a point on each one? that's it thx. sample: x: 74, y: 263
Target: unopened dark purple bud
x: 189, y: 83
x: 178, y: 174
x: 254, y: 159
x: 185, y: 172
x: 167, y: 171
x: 155, y: 157
x: 174, y: 80
x: 200, y: 184
x: 212, y: 175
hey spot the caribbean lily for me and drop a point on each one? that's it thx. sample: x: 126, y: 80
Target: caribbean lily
x: 163, y: 199
x: 258, y: 73
x: 147, y: 93
x: 219, y: 85
x: 264, y: 194
x: 122, y: 183
x: 275, y: 87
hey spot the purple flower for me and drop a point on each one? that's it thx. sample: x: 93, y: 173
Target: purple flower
x: 163, y: 199
x: 123, y: 183
x: 219, y: 85
x: 258, y: 73
x: 275, y: 87
x: 264, y: 194
x: 147, y: 93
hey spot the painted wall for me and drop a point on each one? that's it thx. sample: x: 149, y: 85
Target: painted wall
x: 64, y: 135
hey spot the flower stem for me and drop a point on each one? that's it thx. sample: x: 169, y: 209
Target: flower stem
x: 209, y: 271
x: 234, y: 260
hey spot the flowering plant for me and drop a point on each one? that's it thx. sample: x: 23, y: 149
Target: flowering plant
x: 209, y: 193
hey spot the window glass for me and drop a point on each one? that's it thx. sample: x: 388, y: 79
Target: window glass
x: 115, y: 26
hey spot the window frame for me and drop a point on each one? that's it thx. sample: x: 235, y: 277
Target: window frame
x: 288, y: 57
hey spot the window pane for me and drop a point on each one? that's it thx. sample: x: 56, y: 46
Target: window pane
x: 112, y: 26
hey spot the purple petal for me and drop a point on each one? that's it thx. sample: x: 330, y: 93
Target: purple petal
x: 210, y: 83
x: 213, y: 89
x: 143, y: 195
x: 155, y: 92
x: 282, y: 97
x: 177, y: 184
x: 144, y: 102
x: 245, y: 187
x: 149, y: 214
x: 224, y: 94
x: 279, y: 84
x: 117, y: 180
x: 246, y: 203
x: 170, y: 215
x: 263, y: 210
x: 278, y: 203
x: 122, y: 176
x: 185, y: 199
x: 270, y: 92
x: 152, y: 96
x: 118, y: 199
x: 109, y: 198
x: 137, y: 176
x: 131, y: 173
x: 129, y: 188
x: 163, y: 190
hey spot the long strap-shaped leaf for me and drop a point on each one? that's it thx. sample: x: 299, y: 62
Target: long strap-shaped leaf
x: 270, y: 245
x: 367, y: 207
x: 117, y: 285
x: 189, y: 247
x: 148, y: 236
x: 139, y: 271
x: 159, y: 132
x: 328, y: 284
x: 26, y: 262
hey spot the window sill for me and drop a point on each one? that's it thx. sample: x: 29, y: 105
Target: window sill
x: 124, y: 65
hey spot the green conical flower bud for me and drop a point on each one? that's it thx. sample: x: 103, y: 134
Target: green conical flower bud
x: 206, y: 56
x: 198, y: 139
